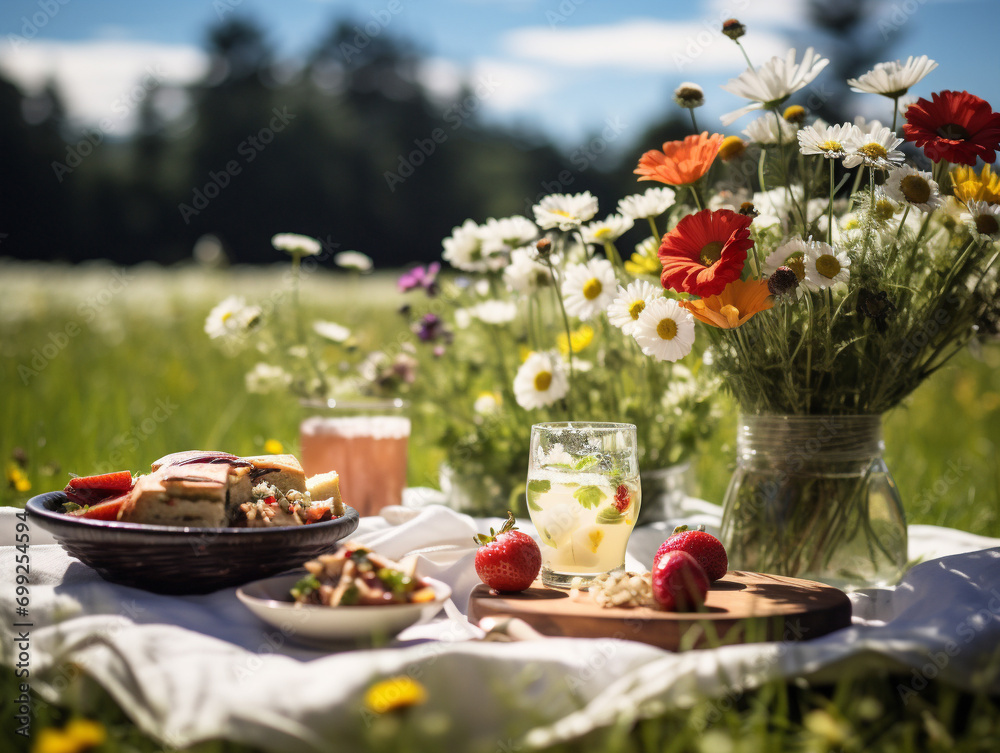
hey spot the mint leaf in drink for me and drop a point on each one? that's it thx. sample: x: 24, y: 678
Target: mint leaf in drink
x: 536, y: 487
x: 588, y: 462
x: 589, y: 496
x: 609, y: 516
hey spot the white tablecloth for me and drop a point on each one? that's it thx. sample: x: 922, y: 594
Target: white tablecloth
x: 200, y: 667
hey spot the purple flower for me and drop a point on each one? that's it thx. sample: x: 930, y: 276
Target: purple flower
x: 430, y: 328
x: 421, y: 277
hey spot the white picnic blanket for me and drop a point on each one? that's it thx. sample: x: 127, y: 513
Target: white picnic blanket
x: 194, y: 668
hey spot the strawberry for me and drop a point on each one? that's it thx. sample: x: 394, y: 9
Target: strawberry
x: 508, y: 560
x: 679, y: 582
x: 623, y: 498
x: 120, y: 481
x: 703, y: 546
x: 105, y: 510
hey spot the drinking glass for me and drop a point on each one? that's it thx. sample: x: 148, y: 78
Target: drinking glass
x: 583, y: 497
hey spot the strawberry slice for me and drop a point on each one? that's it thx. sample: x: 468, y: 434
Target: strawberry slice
x: 623, y: 498
x: 106, y: 510
x: 117, y: 481
x: 317, y: 514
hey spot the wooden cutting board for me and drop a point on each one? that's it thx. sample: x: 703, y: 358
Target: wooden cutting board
x: 741, y: 607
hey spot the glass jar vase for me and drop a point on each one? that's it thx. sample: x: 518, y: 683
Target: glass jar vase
x: 811, y: 497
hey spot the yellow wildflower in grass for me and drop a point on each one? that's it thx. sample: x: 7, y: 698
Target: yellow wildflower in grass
x: 579, y: 339
x: 645, y: 261
x: 393, y: 694
x: 76, y: 737
x: 524, y: 352
x: 273, y: 447
x: 16, y: 479
x: 968, y: 186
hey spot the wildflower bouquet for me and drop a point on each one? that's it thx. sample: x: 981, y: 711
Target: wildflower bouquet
x: 538, y: 326
x: 828, y: 291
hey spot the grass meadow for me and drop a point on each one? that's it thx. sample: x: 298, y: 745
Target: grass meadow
x: 102, y: 368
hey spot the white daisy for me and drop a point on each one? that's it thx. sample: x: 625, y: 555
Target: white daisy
x: 764, y: 130
x: 867, y: 126
x: 790, y: 254
x: 355, y: 260
x: 652, y: 203
x: 487, y: 403
x: 689, y: 95
x: 826, y: 140
x: 264, y: 378
x: 607, y: 230
x: 664, y: 330
x: 294, y: 243
x: 983, y: 219
x: 463, y: 249
x: 910, y: 186
x: 624, y: 311
x: 588, y: 288
x: 565, y: 211
x: 503, y: 235
x: 524, y: 274
x: 825, y: 266
x: 332, y: 331
x: 875, y: 149
x: 231, y: 318
x: 773, y: 82
x: 540, y: 381
x: 494, y: 312
x: 894, y: 78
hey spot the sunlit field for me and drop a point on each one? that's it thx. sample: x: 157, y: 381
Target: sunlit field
x: 107, y: 368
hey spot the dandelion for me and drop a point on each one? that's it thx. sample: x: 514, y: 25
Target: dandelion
x: 705, y: 251
x: 876, y: 149
x: 954, y: 126
x: 77, y: 736
x: 588, y: 288
x: 664, y: 330
x: 738, y: 302
x: 914, y: 188
x: 624, y: 311
x: 893, y: 79
x: 354, y: 260
x: 770, y: 84
x: 332, y: 331
x: 565, y: 211
x: 650, y: 204
x: 578, y: 340
x: 16, y: 479
x: 394, y: 694
x: 540, y: 381
x: 680, y: 163
x: 296, y: 245
x: 273, y: 447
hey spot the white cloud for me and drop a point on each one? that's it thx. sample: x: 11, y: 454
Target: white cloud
x: 781, y: 14
x: 642, y: 44
x: 506, y: 86
x: 102, y: 80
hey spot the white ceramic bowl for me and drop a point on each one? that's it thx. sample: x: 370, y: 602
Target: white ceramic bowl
x: 313, y: 624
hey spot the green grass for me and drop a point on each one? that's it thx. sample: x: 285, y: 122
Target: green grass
x: 139, y: 379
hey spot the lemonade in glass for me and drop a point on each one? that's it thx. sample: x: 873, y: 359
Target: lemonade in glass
x: 583, y: 497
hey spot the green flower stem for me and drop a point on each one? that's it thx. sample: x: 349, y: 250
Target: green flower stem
x: 745, y: 56
x: 694, y: 123
x: 652, y: 226
x: 855, y: 187
x: 698, y: 202
x: 760, y: 169
x: 899, y: 233
x: 895, y: 112
x: 829, y: 228
x: 565, y: 318
x: 300, y: 333
x: 613, y: 255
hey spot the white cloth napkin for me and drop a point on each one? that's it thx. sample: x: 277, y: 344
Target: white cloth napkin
x: 194, y: 668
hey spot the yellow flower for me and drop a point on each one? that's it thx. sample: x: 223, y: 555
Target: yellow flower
x: 16, y: 479
x: 731, y: 148
x: 395, y: 693
x: 645, y: 260
x: 273, y: 447
x: 78, y: 736
x: 524, y: 352
x: 971, y: 187
x: 579, y: 339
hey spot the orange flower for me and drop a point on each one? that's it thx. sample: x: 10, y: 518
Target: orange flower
x: 680, y: 162
x: 739, y: 301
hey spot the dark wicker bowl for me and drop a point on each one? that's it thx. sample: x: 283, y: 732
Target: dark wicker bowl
x: 177, y: 560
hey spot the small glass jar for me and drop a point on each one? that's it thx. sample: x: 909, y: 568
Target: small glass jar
x: 811, y: 497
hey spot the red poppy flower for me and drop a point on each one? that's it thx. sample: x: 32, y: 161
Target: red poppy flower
x: 955, y: 126
x: 705, y: 251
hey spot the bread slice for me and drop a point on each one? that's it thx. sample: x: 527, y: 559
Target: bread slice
x: 326, y: 486
x: 284, y: 471
x: 188, y: 495
x: 190, y: 456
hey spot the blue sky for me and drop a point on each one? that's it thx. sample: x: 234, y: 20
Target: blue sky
x: 564, y: 67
